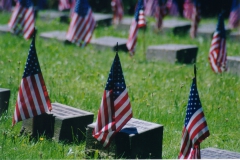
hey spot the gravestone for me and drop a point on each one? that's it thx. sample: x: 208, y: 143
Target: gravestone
x: 137, y: 139
x: 63, y: 123
x: 233, y: 64
x: 101, y: 19
x: 124, y: 24
x: 4, y: 29
x: 215, y: 153
x: 4, y: 100
x: 235, y: 36
x: 173, y: 53
x: 58, y: 35
x: 207, y: 30
x: 70, y: 123
x: 103, y: 43
x: 176, y: 26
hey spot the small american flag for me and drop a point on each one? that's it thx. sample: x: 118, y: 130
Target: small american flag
x: 234, y: 17
x: 195, y: 19
x: 160, y: 13
x: 150, y: 7
x: 32, y: 97
x: 195, y: 127
x: 218, y: 53
x: 6, y: 5
x: 138, y: 22
x: 82, y: 24
x: 22, y: 19
x: 64, y: 5
x: 117, y: 8
x: 172, y: 7
x: 188, y: 9
x: 115, y: 110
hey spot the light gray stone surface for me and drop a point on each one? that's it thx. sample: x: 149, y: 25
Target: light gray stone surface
x: 4, y: 29
x: 233, y: 63
x: 215, y: 153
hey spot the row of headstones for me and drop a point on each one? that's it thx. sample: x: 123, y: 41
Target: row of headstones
x: 137, y: 139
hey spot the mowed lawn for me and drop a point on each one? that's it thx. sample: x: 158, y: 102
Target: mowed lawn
x: 158, y: 91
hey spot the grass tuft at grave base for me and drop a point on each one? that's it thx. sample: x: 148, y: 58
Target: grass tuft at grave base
x: 158, y: 90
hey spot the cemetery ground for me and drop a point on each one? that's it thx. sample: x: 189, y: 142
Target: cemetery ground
x: 158, y: 91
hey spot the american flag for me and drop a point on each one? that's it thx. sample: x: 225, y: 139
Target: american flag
x: 160, y: 13
x: 64, y: 5
x: 195, y: 127
x: 150, y: 7
x: 117, y: 8
x: 82, y: 24
x: 195, y: 19
x: 115, y: 110
x: 22, y: 19
x: 6, y: 5
x: 188, y: 9
x: 172, y: 7
x: 138, y: 22
x: 32, y: 97
x: 218, y: 53
x: 234, y: 17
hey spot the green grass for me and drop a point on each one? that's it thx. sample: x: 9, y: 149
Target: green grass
x: 158, y: 90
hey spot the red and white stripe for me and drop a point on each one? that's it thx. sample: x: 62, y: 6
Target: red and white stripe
x: 32, y: 98
x: 234, y: 18
x: 132, y: 38
x: 118, y: 12
x: 64, y: 4
x: 22, y: 21
x: 81, y: 28
x: 150, y: 7
x: 218, y: 54
x: 188, y: 8
x: 141, y: 19
x: 193, y: 134
x: 112, y: 116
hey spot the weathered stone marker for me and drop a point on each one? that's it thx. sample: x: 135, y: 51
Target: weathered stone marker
x: 103, y: 19
x: 215, y: 153
x: 137, y: 139
x: 207, y: 30
x: 4, y: 100
x: 70, y: 123
x: 64, y: 123
x: 110, y: 43
x: 173, y: 53
x: 124, y: 24
x: 233, y: 64
x: 4, y: 29
x: 176, y: 26
x: 235, y: 36
x: 58, y: 35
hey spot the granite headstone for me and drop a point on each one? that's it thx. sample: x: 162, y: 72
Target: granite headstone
x: 4, y: 100
x: 215, y: 153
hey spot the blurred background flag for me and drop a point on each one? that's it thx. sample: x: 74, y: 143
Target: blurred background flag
x: 195, y: 128
x: 234, y: 17
x: 150, y: 7
x: 32, y: 97
x: 160, y: 13
x: 138, y: 22
x: 64, y: 5
x: 82, y: 24
x: 117, y: 8
x: 115, y: 110
x: 218, y: 53
x: 5, y: 5
x: 172, y: 7
x: 188, y: 7
x: 196, y: 17
x: 22, y: 19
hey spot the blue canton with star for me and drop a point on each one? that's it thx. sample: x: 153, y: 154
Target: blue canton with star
x: 138, y: 8
x: 32, y: 66
x: 82, y: 7
x: 26, y: 3
x: 193, y: 102
x: 116, y: 80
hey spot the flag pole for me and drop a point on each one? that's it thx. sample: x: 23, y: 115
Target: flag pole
x: 144, y: 44
x: 195, y: 73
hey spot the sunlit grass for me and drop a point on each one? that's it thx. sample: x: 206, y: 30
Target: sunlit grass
x: 158, y: 90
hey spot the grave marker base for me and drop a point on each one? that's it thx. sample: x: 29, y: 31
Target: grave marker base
x: 215, y: 153
x: 233, y: 64
x: 4, y: 100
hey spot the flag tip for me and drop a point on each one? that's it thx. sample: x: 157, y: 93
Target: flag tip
x: 195, y: 70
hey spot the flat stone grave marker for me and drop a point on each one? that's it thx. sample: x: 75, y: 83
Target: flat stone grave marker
x: 173, y: 53
x: 233, y: 64
x: 110, y: 43
x: 4, y: 100
x: 137, y: 139
x: 4, y: 29
x: 235, y: 36
x: 207, y: 30
x: 176, y: 26
x: 124, y: 24
x: 100, y: 18
x: 63, y: 123
x: 58, y: 35
x: 215, y: 153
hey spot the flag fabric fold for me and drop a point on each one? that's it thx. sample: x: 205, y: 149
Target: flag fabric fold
x: 195, y: 19
x: 82, y: 24
x: 6, y: 5
x: 188, y: 9
x: 115, y: 110
x: 172, y: 7
x: 218, y: 54
x: 32, y: 99
x: 234, y: 17
x: 150, y: 7
x: 22, y: 19
x: 138, y: 22
x: 64, y: 5
x: 160, y: 13
x: 195, y: 128
x: 118, y: 12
